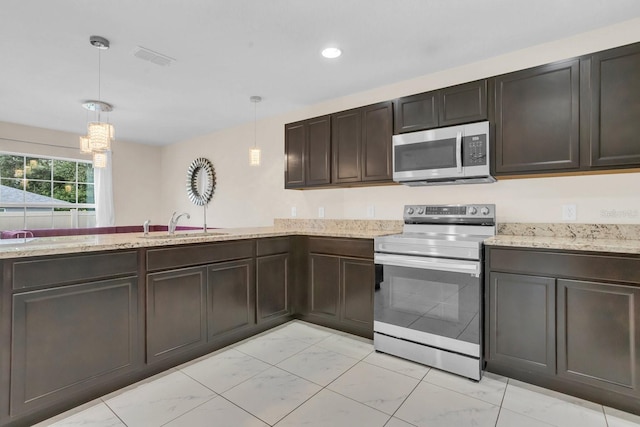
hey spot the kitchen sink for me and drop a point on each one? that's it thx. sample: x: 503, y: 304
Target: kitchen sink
x: 181, y: 235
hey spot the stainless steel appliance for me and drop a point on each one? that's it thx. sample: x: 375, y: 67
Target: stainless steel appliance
x: 428, y: 296
x: 451, y: 155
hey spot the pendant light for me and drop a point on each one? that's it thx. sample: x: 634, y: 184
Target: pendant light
x: 254, y: 153
x: 99, y: 134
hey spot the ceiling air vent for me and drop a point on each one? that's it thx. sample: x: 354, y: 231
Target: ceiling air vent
x: 151, y: 56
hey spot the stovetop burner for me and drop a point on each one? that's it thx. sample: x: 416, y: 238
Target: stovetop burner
x: 448, y: 231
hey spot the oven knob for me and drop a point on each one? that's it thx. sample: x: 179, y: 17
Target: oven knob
x: 410, y: 211
x: 420, y: 211
x: 473, y: 210
x: 484, y: 211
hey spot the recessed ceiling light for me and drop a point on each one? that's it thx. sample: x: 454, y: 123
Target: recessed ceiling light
x: 331, y: 52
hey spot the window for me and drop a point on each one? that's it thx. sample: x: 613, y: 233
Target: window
x: 45, y: 192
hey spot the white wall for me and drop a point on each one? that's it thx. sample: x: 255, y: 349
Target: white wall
x: 136, y: 168
x: 247, y: 196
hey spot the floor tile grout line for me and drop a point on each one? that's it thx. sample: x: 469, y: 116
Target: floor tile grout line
x: 463, y: 394
x: 405, y: 399
x: 504, y: 393
x: 244, y: 410
x: 215, y: 396
x: 115, y: 413
x: 241, y: 382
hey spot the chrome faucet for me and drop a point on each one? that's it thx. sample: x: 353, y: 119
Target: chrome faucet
x: 173, y: 222
x: 145, y: 227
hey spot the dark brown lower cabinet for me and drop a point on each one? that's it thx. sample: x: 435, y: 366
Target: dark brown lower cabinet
x: 598, y: 334
x: 357, y: 283
x: 230, y: 297
x: 176, y: 312
x: 523, y: 321
x: 69, y: 339
x: 566, y: 321
x: 272, y: 287
x: 324, y: 286
x: 341, y: 277
x: 274, y: 299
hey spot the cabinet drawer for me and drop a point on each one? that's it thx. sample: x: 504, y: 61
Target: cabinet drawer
x: 183, y: 256
x: 569, y: 265
x: 270, y: 246
x: 362, y: 248
x: 69, y: 269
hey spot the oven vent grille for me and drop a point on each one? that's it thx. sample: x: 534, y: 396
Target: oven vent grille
x: 151, y: 56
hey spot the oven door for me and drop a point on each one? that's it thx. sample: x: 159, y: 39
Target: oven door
x: 429, y: 301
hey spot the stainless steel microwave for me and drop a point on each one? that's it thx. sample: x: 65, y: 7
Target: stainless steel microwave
x: 451, y: 155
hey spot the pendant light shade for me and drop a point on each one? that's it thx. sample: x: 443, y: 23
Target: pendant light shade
x: 99, y: 159
x: 84, y: 144
x: 100, y: 135
x: 254, y: 156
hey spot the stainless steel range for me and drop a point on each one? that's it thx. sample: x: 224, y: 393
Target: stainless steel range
x: 428, y: 297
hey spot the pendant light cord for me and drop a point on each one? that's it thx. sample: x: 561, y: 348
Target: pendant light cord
x: 99, y: 80
x: 255, y: 124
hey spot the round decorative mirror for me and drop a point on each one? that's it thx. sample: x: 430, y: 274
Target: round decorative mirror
x: 201, y: 181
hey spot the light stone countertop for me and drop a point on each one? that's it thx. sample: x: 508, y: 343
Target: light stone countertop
x: 574, y: 237
x: 359, y: 229
x: 566, y: 243
x: 614, y: 238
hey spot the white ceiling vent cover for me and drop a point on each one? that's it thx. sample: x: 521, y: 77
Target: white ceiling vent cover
x: 151, y: 56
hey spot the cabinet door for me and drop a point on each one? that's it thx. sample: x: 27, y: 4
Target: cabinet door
x: 598, y: 334
x: 230, y: 296
x: 295, y: 137
x: 464, y: 103
x: 357, y: 277
x: 272, y: 286
x: 415, y: 112
x: 318, y: 167
x: 376, y: 142
x: 176, y: 313
x: 615, y: 107
x: 324, y: 283
x: 70, y: 338
x: 537, y: 119
x: 522, y: 322
x: 346, y: 140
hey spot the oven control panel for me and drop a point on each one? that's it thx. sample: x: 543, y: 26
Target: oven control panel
x: 449, y: 213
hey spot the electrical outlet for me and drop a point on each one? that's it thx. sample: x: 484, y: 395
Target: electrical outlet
x: 371, y: 211
x: 569, y: 212
x: 320, y: 212
x: 294, y: 211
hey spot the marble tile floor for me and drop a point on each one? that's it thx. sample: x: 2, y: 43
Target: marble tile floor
x: 304, y: 375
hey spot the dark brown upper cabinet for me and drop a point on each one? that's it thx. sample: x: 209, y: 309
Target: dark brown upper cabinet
x: 450, y: 106
x: 613, y: 125
x: 308, y: 153
x: 361, y: 144
x: 537, y: 119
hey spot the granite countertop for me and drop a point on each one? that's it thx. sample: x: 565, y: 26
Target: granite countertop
x: 360, y: 229
x: 614, y: 238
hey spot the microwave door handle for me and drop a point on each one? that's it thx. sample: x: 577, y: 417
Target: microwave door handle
x: 459, y: 152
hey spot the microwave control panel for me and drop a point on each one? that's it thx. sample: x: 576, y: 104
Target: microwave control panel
x: 474, y: 150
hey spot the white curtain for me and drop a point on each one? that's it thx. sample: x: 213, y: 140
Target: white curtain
x: 105, y: 214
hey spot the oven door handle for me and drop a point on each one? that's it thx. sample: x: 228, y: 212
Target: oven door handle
x: 426, y: 263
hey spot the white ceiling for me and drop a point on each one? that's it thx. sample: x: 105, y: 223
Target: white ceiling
x: 228, y: 50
